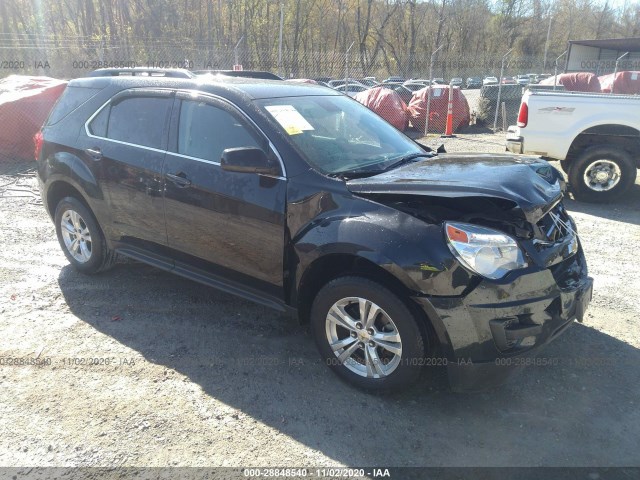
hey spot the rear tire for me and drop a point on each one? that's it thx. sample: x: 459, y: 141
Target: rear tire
x: 601, y: 174
x: 367, y: 335
x: 81, y: 238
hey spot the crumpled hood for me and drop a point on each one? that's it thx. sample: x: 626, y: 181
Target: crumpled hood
x: 531, y: 183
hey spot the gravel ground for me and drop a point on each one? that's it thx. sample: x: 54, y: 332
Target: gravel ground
x: 186, y: 375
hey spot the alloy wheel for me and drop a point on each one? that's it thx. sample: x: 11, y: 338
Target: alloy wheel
x: 76, y: 236
x: 363, y: 337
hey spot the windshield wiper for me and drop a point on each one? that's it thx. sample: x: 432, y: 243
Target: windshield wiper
x: 367, y: 172
x: 406, y: 159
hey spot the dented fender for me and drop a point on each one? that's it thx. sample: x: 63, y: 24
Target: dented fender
x: 413, y: 251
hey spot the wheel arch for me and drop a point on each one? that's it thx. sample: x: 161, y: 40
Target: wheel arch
x: 59, y: 189
x: 334, y: 265
x: 609, y: 134
x: 68, y: 168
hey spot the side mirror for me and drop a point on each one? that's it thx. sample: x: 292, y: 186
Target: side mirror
x: 247, y: 160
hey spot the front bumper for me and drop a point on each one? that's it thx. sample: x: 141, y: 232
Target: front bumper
x: 498, y: 328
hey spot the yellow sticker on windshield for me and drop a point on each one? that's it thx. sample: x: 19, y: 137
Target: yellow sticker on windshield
x: 289, y: 118
x: 292, y: 130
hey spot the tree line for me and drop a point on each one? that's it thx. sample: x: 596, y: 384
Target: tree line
x: 397, y: 36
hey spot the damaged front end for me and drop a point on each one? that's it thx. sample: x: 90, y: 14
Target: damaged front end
x: 497, y: 324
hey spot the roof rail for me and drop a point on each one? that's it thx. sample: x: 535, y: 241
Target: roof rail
x: 142, y: 72
x: 241, y: 73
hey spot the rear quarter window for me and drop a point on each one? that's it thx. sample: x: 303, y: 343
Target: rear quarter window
x: 71, y: 99
x: 137, y: 120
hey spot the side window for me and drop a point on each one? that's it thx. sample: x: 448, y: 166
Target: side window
x: 139, y: 120
x: 205, y: 131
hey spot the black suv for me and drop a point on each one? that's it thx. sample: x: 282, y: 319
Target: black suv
x: 299, y: 198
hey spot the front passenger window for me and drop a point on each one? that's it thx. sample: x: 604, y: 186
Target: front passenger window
x: 205, y: 131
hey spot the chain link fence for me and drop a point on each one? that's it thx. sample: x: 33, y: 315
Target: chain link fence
x: 487, y: 88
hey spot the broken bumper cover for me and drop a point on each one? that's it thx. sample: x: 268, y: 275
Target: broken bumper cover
x: 499, y: 327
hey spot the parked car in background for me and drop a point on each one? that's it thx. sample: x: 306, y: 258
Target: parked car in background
x: 542, y: 76
x: 473, y: 82
x: 439, y: 81
x: 533, y: 78
x: 490, y: 81
x: 438, y: 108
x: 307, y: 202
x: 456, y: 82
x: 351, y: 89
x: 423, y: 81
x: 341, y: 81
x: 370, y: 81
x: 509, y: 81
x: 404, y: 92
x: 523, y: 80
x: 413, y: 86
x: 393, y: 79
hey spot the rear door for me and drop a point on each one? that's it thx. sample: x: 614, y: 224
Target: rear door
x: 128, y: 139
x: 226, y: 224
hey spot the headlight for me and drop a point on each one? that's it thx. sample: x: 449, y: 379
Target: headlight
x: 485, y: 251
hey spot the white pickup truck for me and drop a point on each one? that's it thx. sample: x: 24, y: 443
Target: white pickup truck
x: 595, y: 136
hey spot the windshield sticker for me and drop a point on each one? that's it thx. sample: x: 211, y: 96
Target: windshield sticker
x: 290, y: 119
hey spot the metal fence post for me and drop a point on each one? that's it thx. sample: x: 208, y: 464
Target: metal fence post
x: 346, y: 68
x: 235, y: 50
x: 615, y: 71
x: 504, y: 57
x: 555, y: 69
x: 546, y: 43
x: 280, y: 40
x: 426, y: 120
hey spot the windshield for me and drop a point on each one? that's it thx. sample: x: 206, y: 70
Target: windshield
x: 336, y: 134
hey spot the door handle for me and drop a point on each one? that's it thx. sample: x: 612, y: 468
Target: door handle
x: 179, y: 179
x: 94, y: 153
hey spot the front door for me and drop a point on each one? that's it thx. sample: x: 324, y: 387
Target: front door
x: 224, y: 223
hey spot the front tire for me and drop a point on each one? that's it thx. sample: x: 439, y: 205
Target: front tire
x: 367, y: 335
x: 81, y: 238
x: 602, y: 174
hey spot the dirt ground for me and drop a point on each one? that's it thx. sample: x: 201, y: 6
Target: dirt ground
x: 137, y: 367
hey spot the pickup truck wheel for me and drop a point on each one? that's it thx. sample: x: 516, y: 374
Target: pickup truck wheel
x: 601, y: 174
x: 565, y: 165
x: 80, y: 237
x: 367, y: 335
